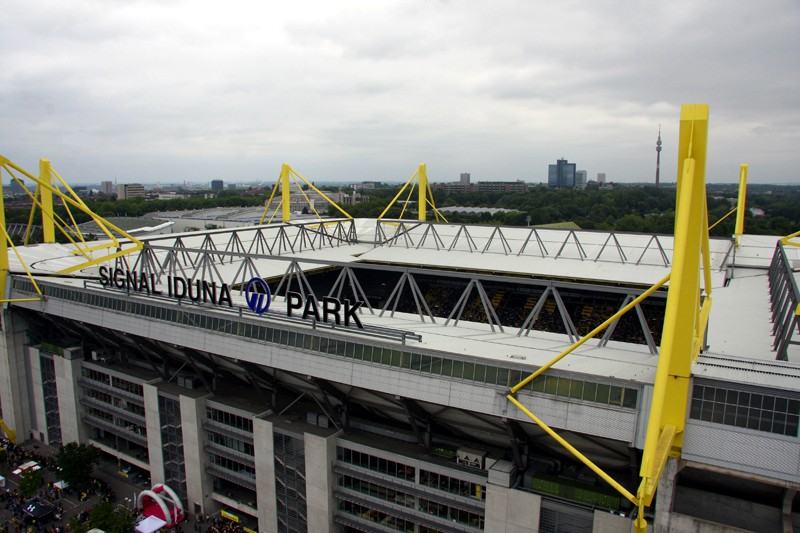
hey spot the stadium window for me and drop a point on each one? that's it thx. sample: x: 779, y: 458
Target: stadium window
x: 615, y: 397
x: 590, y: 391
x: 502, y: 376
x: 469, y: 371
x: 629, y: 400
x: 446, y: 368
x: 350, y: 349
x: 563, y: 386
x: 425, y: 366
x: 491, y: 375
x: 603, y: 392
x: 458, y: 369
x: 550, y: 384
x: 416, y: 359
x: 537, y: 385
x: 480, y: 373
x: 436, y: 365
x: 514, y: 377
x: 576, y: 389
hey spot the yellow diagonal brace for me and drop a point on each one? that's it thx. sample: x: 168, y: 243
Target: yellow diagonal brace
x: 582, y: 458
x: 592, y: 333
x: 406, y: 184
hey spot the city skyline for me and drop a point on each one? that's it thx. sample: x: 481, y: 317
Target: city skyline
x: 177, y: 91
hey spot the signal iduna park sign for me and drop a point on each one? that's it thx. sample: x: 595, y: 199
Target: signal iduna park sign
x: 257, y: 295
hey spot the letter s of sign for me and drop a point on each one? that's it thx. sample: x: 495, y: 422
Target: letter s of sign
x: 258, y: 302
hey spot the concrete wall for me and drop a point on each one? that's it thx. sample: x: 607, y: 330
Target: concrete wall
x: 605, y: 522
x: 723, y: 511
x: 198, y: 481
x: 511, y: 511
x: 689, y: 524
x: 265, y: 475
x: 153, y: 425
x: 320, y: 480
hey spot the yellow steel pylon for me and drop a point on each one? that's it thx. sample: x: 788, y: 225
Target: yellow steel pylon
x: 425, y: 196
x: 685, y: 321
x: 43, y: 199
x: 284, y: 185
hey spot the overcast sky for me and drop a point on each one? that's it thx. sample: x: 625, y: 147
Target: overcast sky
x: 173, y: 90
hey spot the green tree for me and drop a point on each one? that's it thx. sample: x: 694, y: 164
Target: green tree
x: 29, y: 483
x: 111, y: 519
x: 76, y: 462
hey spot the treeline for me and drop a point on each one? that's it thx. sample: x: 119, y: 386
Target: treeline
x: 644, y: 209
x: 624, y: 208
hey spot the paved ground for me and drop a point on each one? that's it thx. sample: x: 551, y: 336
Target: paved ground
x: 125, y: 491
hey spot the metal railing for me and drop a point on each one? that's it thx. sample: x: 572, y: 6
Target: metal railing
x: 784, y: 302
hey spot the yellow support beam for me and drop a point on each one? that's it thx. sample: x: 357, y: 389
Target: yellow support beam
x: 422, y: 206
x: 741, y: 203
x: 48, y: 226
x: 3, y: 245
x: 285, y: 193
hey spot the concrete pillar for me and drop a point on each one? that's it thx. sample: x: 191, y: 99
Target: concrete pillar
x: 665, y: 495
x: 34, y: 378
x: 68, y: 370
x: 198, y: 482
x: 512, y: 511
x: 153, y: 425
x: 265, y: 475
x: 320, y: 503
x: 13, y: 377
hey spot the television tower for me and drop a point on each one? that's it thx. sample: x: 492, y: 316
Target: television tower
x: 658, y: 155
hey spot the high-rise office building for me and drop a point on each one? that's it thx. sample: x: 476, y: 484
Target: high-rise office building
x: 465, y: 178
x: 561, y: 175
x: 217, y: 185
x: 106, y: 187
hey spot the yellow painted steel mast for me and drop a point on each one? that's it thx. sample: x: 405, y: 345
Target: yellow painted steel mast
x: 685, y: 322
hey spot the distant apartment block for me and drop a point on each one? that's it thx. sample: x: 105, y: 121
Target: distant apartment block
x: 561, y: 175
x: 580, y: 179
x: 107, y: 188
x: 217, y: 185
x: 126, y: 191
x: 601, y: 177
x: 464, y: 185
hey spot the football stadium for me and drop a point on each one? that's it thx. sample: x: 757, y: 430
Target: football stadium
x: 421, y: 376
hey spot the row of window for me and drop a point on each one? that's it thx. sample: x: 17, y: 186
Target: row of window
x: 229, y: 419
x: 452, y: 485
x: 377, y: 464
x: 762, y: 412
x: 603, y: 393
x: 233, y: 466
x: 385, y: 519
x: 441, y: 510
x: 113, y: 381
x: 119, y: 403
x: 232, y: 443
